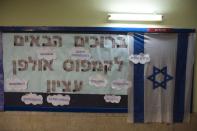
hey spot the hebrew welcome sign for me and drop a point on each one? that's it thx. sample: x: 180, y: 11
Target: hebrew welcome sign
x: 54, y: 68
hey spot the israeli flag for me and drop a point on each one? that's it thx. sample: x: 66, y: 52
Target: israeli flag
x: 161, y: 90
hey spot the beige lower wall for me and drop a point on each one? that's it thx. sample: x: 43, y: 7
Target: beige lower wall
x: 50, y: 121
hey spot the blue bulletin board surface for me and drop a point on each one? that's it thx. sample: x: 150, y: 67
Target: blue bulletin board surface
x: 74, y: 69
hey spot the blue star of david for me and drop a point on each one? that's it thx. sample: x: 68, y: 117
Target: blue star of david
x: 163, y: 83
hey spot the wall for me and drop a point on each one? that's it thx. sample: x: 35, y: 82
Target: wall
x: 33, y: 121
x: 178, y: 13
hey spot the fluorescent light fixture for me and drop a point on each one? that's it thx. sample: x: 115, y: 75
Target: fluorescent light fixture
x: 135, y: 17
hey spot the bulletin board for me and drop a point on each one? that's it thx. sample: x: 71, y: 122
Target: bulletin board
x: 77, y: 69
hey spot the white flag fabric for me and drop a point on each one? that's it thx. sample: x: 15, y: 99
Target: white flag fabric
x: 161, y: 90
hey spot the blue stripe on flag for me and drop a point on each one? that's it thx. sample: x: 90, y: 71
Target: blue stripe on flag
x: 1, y: 75
x: 138, y: 80
x: 179, y: 97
